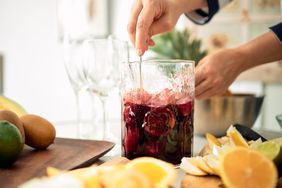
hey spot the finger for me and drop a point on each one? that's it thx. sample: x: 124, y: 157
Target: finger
x: 202, y: 87
x: 131, y: 28
x: 150, y: 42
x: 145, y: 19
x: 161, y: 26
x: 199, y: 76
x: 207, y: 94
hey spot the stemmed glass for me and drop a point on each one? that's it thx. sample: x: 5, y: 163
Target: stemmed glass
x: 73, y: 55
x: 102, y: 59
x: 93, y: 66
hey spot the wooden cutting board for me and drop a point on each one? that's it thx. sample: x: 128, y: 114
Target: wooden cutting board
x: 190, y: 181
x: 65, y: 154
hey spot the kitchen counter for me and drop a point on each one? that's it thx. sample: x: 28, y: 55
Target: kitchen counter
x: 67, y: 130
x: 199, y: 142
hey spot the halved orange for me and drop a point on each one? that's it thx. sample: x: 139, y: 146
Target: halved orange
x: 161, y: 173
x: 241, y: 167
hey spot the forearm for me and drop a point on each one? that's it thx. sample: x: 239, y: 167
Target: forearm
x: 263, y: 49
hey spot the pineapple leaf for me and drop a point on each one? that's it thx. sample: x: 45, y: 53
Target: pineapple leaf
x: 178, y: 45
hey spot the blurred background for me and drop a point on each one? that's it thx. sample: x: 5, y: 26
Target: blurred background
x: 32, y: 70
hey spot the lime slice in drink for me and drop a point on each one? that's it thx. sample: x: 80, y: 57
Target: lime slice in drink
x: 270, y: 149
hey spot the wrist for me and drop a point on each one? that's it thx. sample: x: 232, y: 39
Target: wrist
x: 242, y: 63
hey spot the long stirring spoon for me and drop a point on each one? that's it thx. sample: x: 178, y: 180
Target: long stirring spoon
x: 140, y: 72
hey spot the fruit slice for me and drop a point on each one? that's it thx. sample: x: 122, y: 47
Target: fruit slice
x: 213, y: 162
x: 189, y: 165
x: 254, y: 143
x: 9, y: 104
x: 248, y: 133
x: 62, y: 180
x: 11, y: 143
x: 218, y: 151
x: 125, y: 178
x: 185, y: 108
x: 201, y: 163
x: 242, y: 167
x: 212, y: 140
x: 271, y: 150
x: 161, y: 173
x: 159, y: 121
x: 277, y: 140
x: 88, y: 176
x: 236, y: 138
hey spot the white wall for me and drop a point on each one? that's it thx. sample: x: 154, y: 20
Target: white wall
x: 34, y: 72
x: 272, y: 107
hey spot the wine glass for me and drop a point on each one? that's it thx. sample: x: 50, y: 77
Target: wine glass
x: 102, y: 59
x: 92, y: 66
x: 73, y: 58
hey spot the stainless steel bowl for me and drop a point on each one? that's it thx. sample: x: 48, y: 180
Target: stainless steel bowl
x: 279, y: 119
x: 216, y: 114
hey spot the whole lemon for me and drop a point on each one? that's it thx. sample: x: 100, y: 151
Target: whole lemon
x: 11, y: 143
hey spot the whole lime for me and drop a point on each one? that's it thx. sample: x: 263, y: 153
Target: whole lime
x: 11, y: 144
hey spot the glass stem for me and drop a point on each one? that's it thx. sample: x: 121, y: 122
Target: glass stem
x: 105, y: 129
x: 78, y: 122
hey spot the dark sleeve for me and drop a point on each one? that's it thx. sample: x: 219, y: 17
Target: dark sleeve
x: 203, y: 16
x: 277, y: 30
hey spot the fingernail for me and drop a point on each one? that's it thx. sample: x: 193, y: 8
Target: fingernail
x: 151, y: 43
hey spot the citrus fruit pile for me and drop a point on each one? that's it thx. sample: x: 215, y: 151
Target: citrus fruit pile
x: 18, y: 128
x: 143, y: 172
x: 239, y: 163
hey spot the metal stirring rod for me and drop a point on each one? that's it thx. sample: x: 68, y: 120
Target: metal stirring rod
x: 140, y: 72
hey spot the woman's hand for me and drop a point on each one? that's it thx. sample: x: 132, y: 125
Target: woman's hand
x: 151, y: 17
x: 216, y: 72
